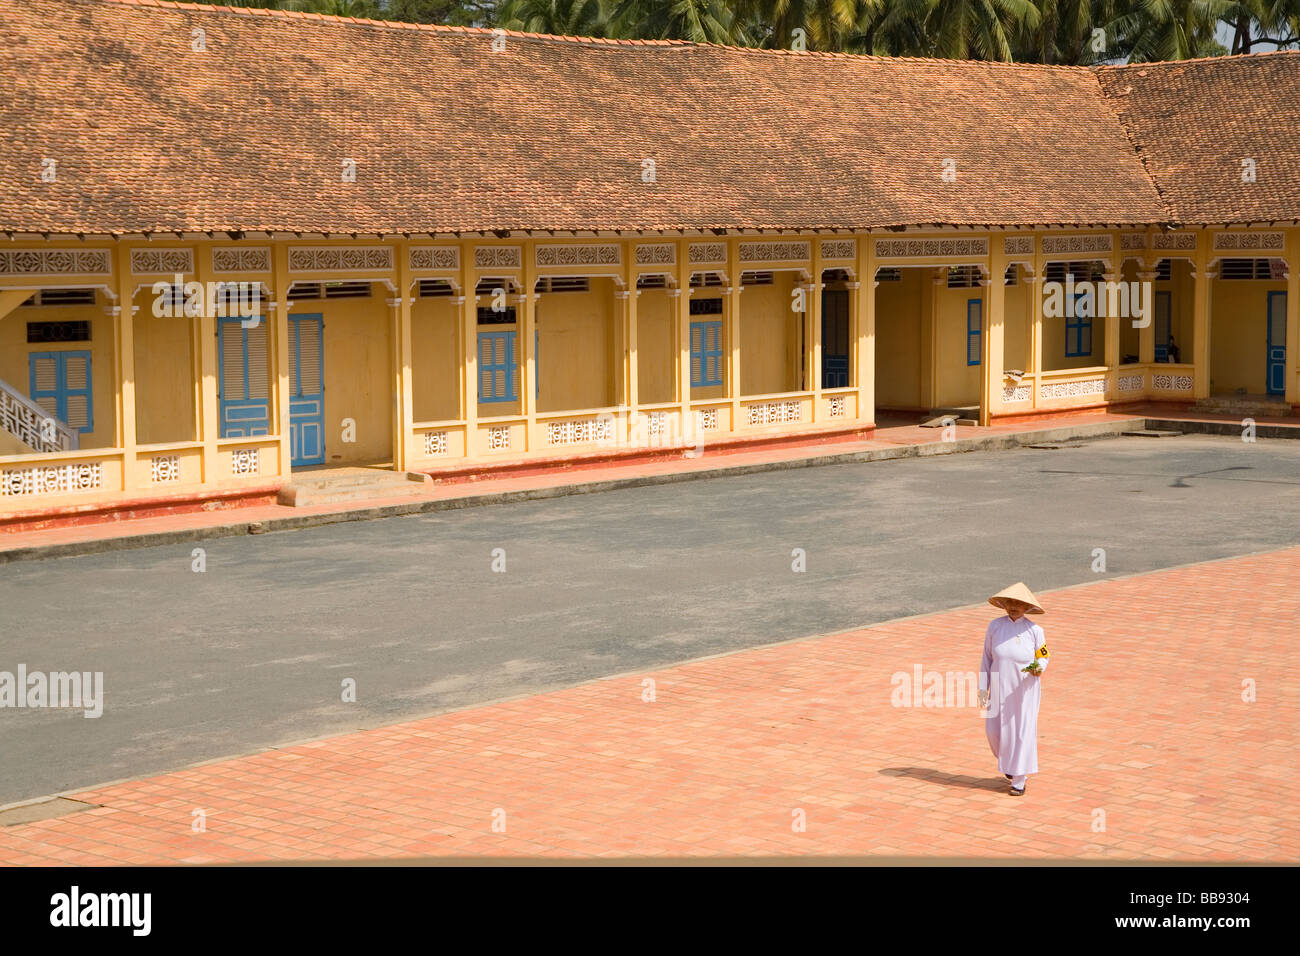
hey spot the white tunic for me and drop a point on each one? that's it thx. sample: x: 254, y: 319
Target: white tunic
x: 1012, y: 721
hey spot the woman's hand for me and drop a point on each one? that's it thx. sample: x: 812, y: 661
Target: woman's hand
x: 1033, y: 669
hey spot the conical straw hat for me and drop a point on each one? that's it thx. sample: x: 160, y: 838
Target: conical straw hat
x: 1017, y: 592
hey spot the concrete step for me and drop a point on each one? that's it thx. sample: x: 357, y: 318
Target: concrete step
x: 1244, y: 406
x: 329, y: 488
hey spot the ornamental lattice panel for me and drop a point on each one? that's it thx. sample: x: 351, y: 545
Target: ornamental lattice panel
x: 707, y: 253
x: 164, y: 468
x: 838, y: 407
x: 706, y: 420
x: 1249, y: 242
x: 1131, y: 383
x: 51, y: 479
x: 1076, y: 245
x: 775, y: 413
x: 246, y: 461
x: 1016, y: 393
x: 1171, y: 383
x: 30, y: 262
x: 1090, y: 386
x: 498, y: 257
x: 435, y: 444
x: 839, y: 249
x: 499, y: 438
x: 580, y: 432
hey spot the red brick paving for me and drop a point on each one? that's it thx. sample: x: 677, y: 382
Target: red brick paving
x: 1142, y: 718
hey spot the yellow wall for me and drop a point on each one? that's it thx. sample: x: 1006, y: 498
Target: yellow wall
x: 358, y: 376
x: 575, y: 344
x: 15, y: 365
x: 956, y: 383
x: 1240, y: 334
x: 767, y: 339
x: 435, y: 359
x: 1015, y: 325
x: 655, y: 315
x: 898, y: 340
x: 164, y: 376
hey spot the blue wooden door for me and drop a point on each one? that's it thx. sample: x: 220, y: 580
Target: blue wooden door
x: 60, y: 384
x: 306, y: 390
x: 243, y: 374
x: 1276, y: 373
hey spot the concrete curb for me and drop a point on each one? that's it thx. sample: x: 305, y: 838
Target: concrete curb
x: 1224, y: 428
x: 1092, y: 430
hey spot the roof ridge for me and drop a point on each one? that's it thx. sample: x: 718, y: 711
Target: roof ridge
x: 1165, y: 64
x: 256, y: 12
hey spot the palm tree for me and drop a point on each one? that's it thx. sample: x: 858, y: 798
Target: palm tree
x: 957, y: 29
x: 704, y: 21
x: 1167, y: 30
x: 583, y: 18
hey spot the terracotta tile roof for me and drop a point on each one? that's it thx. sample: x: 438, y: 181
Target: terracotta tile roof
x: 549, y: 134
x: 1194, y: 121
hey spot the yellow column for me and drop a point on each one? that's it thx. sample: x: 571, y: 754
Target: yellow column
x: 683, y: 335
x: 469, y: 350
x: 633, y: 376
x: 527, y: 335
x: 1147, y: 334
x: 124, y: 354
x: 1111, y: 352
x: 1293, y: 320
x: 277, y: 315
x: 1201, y: 277
x: 210, y: 414
x: 734, y: 274
x: 404, y: 399
x: 865, y: 373
x: 931, y: 278
x: 813, y: 334
x: 992, y: 331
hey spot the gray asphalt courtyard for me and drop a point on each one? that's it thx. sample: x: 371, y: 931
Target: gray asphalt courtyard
x: 252, y: 652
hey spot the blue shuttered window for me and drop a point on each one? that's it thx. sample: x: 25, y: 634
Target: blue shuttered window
x: 706, y: 353
x: 974, y: 330
x: 61, y: 385
x: 498, y: 371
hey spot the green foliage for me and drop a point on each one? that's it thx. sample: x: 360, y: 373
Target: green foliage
x: 1041, y: 31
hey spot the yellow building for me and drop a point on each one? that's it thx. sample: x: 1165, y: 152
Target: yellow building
x: 241, y: 243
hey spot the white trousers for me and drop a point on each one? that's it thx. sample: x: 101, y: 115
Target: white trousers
x: 1019, y: 782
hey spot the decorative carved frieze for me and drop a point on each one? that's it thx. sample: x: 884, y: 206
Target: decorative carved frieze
x: 1018, y: 245
x: 1071, y: 245
x: 434, y: 257
x: 839, y: 248
x: 51, y: 479
x: 1090, y: 386
x: 1132, y: 240
x: 34, y: 262
x: 498, y: 257
x: 340, y: 258
x: 1174, y: 242
x: 708, y: 252
x: 574, y: 254
x: 148, y: 262
x: 241, y: 259
x: 1249, y: 242
x: 656, y: 254
x: 1131, y: 383
x: 931, y: 248
x: 775, y: 251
